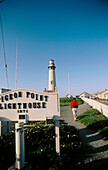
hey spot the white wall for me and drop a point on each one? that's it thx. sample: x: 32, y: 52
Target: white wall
x: 103, y: 108
x: 4, y: 130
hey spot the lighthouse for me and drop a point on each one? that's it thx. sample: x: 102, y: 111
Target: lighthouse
x: 52, y: 80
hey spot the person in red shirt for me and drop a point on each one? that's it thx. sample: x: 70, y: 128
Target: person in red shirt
x: 74, y: 107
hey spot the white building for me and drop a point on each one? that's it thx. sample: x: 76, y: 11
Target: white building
x: 84, y: 95
x: 69, y: 96
x: 102, y: 95
x: 4, y: 130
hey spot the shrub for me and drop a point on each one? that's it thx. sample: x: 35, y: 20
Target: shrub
x: 7, y: 150
x: 40, y: 144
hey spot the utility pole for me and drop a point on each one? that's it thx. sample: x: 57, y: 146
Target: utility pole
x: 16, y: 63
x: 68, y: 84
x: 4, y: 51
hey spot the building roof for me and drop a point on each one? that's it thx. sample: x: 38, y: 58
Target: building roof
x: 68, y: 95
x: 100, y: 92
x: 84, y: 92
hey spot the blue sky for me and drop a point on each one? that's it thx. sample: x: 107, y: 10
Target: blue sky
x: 72, y: 32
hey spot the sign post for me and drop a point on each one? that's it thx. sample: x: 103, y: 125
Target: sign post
x: 57, y: 136
x: 20, y: 145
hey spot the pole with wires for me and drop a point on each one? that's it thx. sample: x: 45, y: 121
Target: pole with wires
x: 68, y: 84
x: 4, y: 50
x: 16, y: 63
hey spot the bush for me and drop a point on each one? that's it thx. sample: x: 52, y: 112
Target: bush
x: 40, y: 144
x: 7, y: 150
x: 67, y: 101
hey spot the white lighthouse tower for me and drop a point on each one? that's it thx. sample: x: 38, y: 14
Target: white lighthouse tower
x: 52, y: 80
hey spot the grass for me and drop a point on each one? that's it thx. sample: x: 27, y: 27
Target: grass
x: 103, y: 99
x: 67, y: 101
x: 96, y: 121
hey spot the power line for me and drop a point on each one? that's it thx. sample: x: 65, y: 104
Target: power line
x: 4, y: 50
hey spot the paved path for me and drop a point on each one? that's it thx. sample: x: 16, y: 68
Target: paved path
x: 97, y: 146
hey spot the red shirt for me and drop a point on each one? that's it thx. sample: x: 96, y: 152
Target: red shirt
x: 73, y: 103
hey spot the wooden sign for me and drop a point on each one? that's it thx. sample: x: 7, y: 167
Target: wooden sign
x: 27, y: 104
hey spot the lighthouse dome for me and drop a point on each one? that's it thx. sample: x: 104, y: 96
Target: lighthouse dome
x: 51, y: 62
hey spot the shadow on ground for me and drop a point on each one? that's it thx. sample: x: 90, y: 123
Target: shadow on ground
x: 95, y: 165
x: 90, y: 137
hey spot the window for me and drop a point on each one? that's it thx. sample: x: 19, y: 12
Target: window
x: 52, y: 82
x: 105, y: 94
x: 21, y: 116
